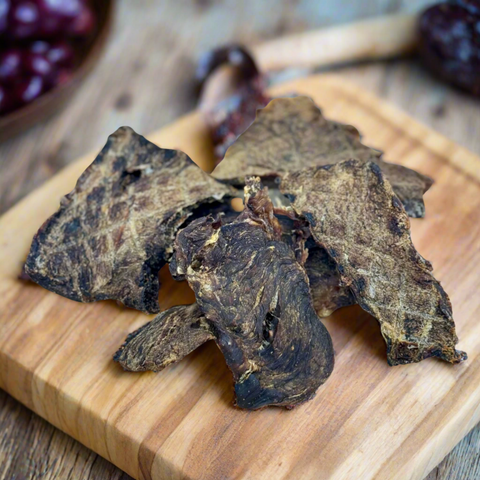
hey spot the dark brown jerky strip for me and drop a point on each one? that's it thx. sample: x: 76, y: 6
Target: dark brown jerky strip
x: 175, y: 333
x: 256, y: 298
x: 326, y: 287
x: 355, y: 215
x: 168, y: 338
x: 291, y: 134
x: 115, y: 230
x: 328, y: 291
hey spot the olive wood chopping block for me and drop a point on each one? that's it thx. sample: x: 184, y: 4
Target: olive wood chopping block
x: 368, y: 421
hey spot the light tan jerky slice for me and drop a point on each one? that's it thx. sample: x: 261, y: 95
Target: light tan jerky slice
x: 291, y: 134
x: 355, y: 215
x: 169, y: 337
x: 115, y: 230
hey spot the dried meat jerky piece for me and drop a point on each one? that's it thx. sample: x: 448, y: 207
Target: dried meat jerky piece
x: 355, y: 215
x: 168, y: 338
x: 290, y: 134
x: 115, y: 230
x: 326, y: 287
x: 256, y: 298
x: 175, y: 333
x: 328, y: 292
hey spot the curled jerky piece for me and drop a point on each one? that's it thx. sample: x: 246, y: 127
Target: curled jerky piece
x: 115, y: 230
x: 328, y: 291
x: 291, y: 134
x: 326, y: 287
x: 256, y: 298
x: 176, y: 332
x: 355, y: 215
x: 168, y: 338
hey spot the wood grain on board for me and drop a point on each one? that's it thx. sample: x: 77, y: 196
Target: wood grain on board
x: 368, y: 420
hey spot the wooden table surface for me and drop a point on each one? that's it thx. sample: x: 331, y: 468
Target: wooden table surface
x: 144, y: 80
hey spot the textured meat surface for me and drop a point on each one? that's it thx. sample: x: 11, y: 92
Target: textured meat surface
x: 115, y: 230
x: 256, y: 298
x: 328, y: 291
x: 291, y: 134
x: 356, y: 217
x: 326, y: 287
x: 178, y: 331
x: 169, y: 337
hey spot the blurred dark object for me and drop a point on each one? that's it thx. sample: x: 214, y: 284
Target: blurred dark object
x: 449, y: 43
x: 233, y: 84
x: 46, y: 49
x: 36, y: 19
x: 233, y: 55
x: 233, y: 81
x: 230, y: 112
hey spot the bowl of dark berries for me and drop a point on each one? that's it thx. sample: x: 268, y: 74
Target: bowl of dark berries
x: 47, y: 47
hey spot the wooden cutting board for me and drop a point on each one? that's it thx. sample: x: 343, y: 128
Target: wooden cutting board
x: 368, y: 421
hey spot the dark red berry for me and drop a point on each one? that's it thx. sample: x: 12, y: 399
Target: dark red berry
x: 23, y: 20
x: 37, y: 64
x: 10, y: 66
x: 62, y: 9
x: 450, y: 44
x: 4, y: 11
x: 83, y: 24
x: 28, y: 90
x: 40, y: 46
x: 61, y: 54
x: 51, y: 26
x: 473, y: 6
x: 63, y: 76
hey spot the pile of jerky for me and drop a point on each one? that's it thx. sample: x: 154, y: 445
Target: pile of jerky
x: 324, y: 225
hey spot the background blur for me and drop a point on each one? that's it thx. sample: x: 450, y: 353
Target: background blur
x: 144, y: 79
x: 145, y: 75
